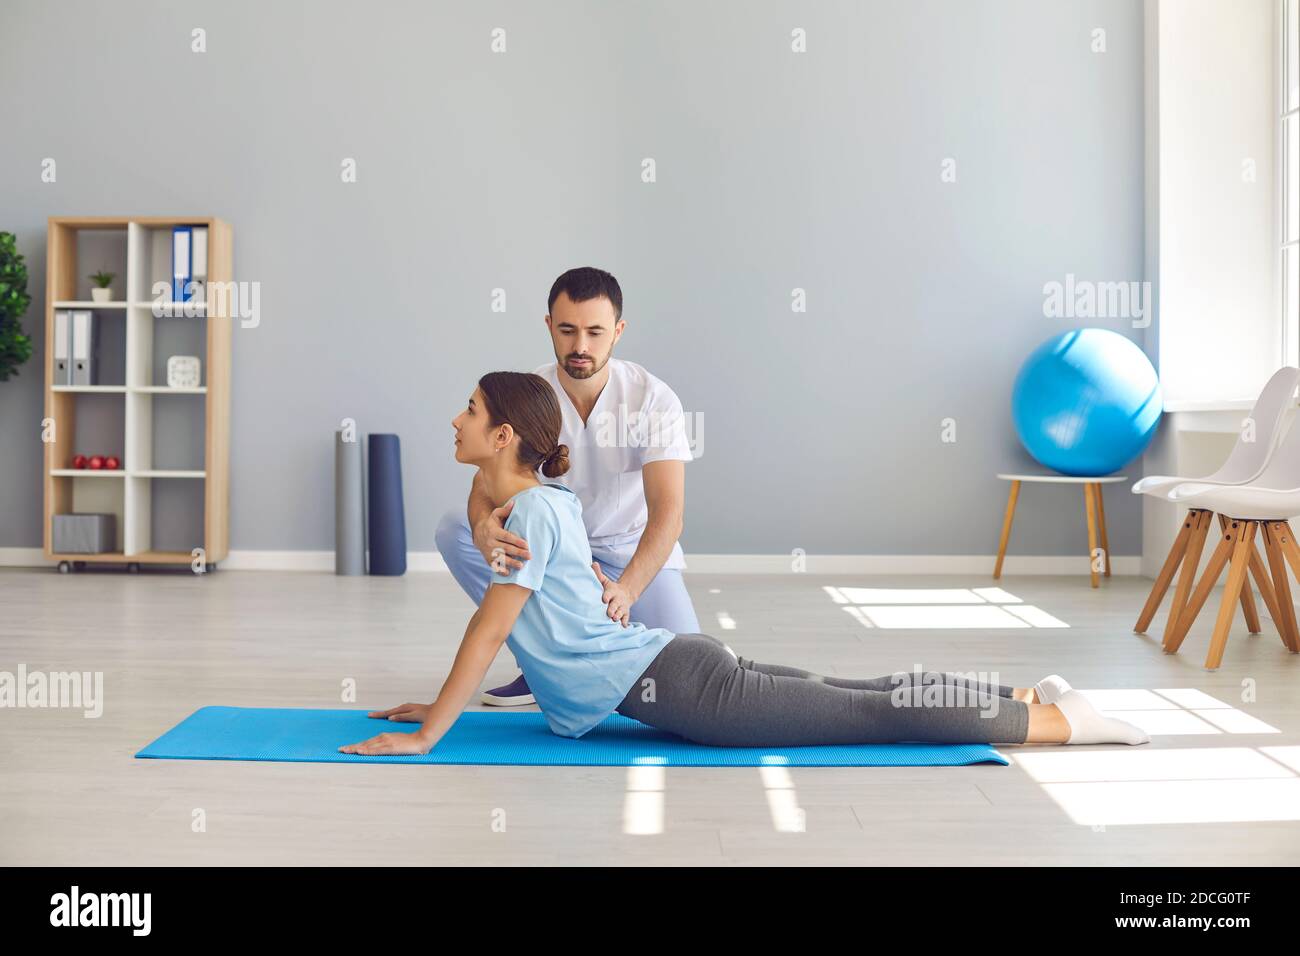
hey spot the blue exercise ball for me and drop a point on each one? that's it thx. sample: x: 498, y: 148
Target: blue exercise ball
x: 1086, y: 402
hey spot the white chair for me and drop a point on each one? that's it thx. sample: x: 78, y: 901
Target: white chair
x: 1264, y: 504
x: 1249, y: 459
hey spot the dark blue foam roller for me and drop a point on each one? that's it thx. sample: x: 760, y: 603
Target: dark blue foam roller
x: 387, y: 516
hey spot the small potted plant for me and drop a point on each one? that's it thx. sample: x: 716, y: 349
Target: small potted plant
x: 103, y: 290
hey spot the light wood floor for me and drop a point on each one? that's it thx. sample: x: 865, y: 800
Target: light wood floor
x: 71, y: 792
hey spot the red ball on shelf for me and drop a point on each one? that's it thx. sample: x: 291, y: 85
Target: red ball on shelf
x: 79, y: 461
x: 112, y: 463
x: 96, y: 462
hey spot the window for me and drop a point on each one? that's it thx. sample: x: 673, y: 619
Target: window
x: 1289, y: 100
x: 1217, y: 108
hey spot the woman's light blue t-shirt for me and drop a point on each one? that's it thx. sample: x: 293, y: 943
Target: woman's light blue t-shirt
x: 579, y: 664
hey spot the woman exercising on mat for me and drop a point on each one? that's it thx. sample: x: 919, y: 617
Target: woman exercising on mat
x: 582, y: 666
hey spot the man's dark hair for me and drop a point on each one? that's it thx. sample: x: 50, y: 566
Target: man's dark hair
x: 586, y: 283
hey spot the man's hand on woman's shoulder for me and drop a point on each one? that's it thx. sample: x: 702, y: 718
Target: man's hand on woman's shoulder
x: 504, y: 552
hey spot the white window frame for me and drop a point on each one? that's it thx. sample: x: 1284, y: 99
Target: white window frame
x: 1288, y: 178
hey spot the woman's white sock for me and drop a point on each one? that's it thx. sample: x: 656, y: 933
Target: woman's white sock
x: 1050, y: 689
x: 1087, y: 726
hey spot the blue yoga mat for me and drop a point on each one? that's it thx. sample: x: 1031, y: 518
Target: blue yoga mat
x: 314, y: 736
x: 387, y: 516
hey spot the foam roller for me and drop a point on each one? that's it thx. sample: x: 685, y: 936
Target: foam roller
x: 387, y: 516
x: 349, y: 508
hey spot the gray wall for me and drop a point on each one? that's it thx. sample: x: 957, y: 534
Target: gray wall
x: 775, y: 170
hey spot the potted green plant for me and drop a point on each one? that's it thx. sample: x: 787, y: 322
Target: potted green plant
x: 103, y: 290
x: 15, y: 347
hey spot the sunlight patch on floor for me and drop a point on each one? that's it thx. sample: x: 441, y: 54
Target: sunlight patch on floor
x: 1188, y: 785
x: 939, y: 617
x: 643, y: 803
x: 782, y: 800
x: 1179, y: 801
x: 939, y: 608
x: 1176, y: 711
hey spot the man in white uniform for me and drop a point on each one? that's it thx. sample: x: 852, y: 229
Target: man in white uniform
x: 627, y: 450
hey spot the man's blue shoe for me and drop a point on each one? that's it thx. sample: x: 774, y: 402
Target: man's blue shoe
x: 514, y: 694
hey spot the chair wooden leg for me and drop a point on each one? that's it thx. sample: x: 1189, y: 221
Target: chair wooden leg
x: 1101, y: 524
x: 1006, y: 528
x: 1187, y: 614
x: 1264, y: 583
x: 1164, y: 577
x: 1286, y: 538
x: 1248, y: 609
x: 1200, y: 519
x: 1247, y: 598
x: 1275, y: 538
x: 1090, y: 508
x: 1231, y: 591
x: 1291, y: 551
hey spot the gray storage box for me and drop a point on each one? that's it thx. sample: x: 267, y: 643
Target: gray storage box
x: 84, y: 533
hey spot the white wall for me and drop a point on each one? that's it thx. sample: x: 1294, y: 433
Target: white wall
x: 822, y: 171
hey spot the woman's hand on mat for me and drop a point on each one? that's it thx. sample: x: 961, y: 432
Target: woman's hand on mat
x: 504, y: 552
x: 618, y: 599
x: 385, y: 745
x: 406, y: 713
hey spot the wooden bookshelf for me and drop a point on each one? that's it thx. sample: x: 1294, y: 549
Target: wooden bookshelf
x: 194, y: 496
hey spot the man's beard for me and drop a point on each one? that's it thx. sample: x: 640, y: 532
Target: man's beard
x: 582, y: 372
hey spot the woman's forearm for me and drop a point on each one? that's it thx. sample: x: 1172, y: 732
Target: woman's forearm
x: 477, y: 651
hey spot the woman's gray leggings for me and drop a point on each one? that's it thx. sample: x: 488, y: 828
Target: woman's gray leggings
x: 698, y: 689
